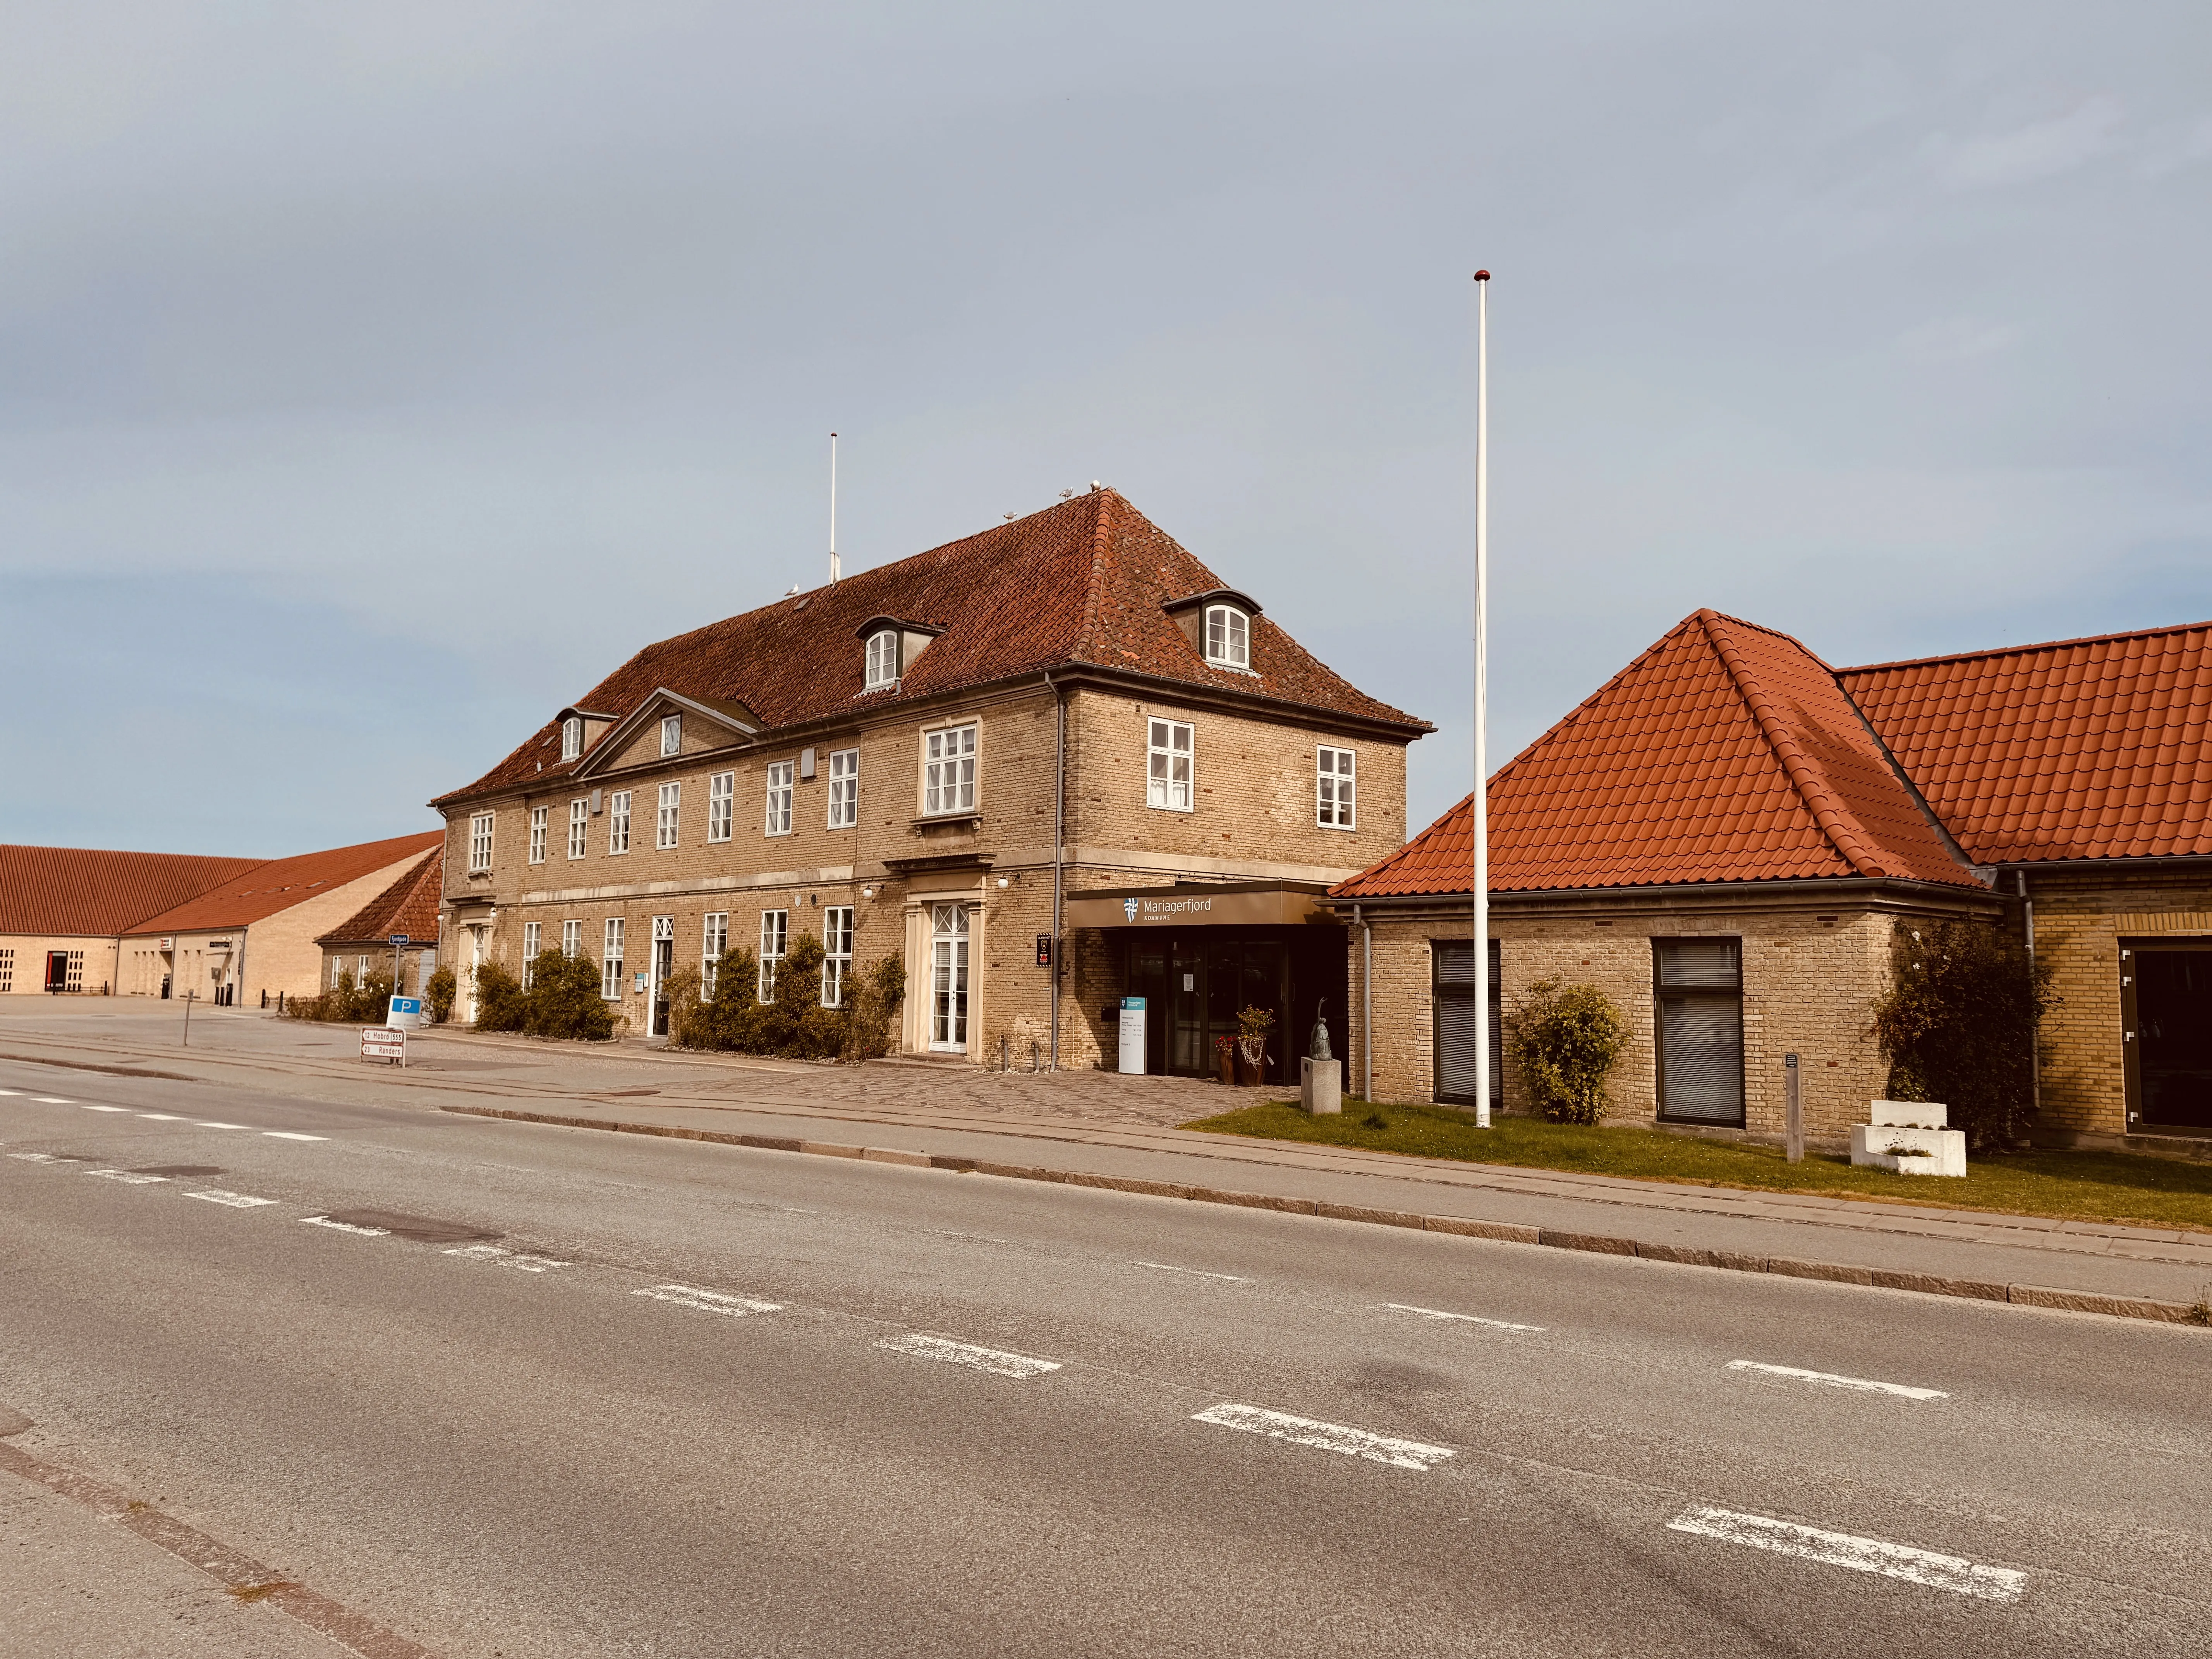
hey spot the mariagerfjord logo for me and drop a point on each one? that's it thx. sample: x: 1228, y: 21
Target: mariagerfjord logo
x: 1129, y: 909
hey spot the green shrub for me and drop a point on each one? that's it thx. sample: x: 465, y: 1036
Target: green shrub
x: 498, y: 999
x: 1564, y: 1039
x: 1958, y: 1026
x: 439, y: 993
x: 792, y: 1024
x: 563, y: 1000
x: 368, y: 1003
x: 876, y: 993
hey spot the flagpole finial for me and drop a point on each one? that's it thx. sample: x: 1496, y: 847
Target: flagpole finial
x: 1481, y: 276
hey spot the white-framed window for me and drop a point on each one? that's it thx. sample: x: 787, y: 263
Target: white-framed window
x: 338, y: 973
x: 618, y: 821
x: 531, y: 932
x: 711, y: 948
x: 836, y: 953
x: 572, y: 738
x: 948, y: 772
x: 883, y: 659
x: 844, y: 788
x: 672, y: 803
x: 611, y: 962
x: 479, y: 842
x: 671, y: 735
x: 779, y: 797
x: 1167, y: 765
x: 1228, y: 636
x: 775, y: 934
x: 1336, y: 791
x: 579, y: 814
x: 572, y: 938
x: 359, y: 973
x: 537, y: 835
x: 721, y: 788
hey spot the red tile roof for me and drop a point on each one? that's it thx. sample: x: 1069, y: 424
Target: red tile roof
x: 63, y: 890
x: 1725, y: 752
x: 1082, y: 583
x: 409, y: 906
x: 2081, y: 749
x: 283, y: 882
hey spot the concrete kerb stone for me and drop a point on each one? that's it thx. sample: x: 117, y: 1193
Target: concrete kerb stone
x: 2026, y: 1296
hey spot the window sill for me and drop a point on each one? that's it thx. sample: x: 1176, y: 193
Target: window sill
x: 479, y: 875
x: 938, y: 820
x: 1162, y: 806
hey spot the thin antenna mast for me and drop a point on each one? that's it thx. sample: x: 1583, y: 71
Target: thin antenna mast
x: 833, y: 508
x: 1480, y: 802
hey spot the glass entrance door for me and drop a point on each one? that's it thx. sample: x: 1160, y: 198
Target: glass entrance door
x: 2166, y: 999
x: 948, y: 979
x: 664, y: 964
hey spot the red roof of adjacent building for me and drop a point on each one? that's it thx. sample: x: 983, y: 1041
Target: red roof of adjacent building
x: 409, y: 906
x: 283, y: 882
x: 2081, y: 749
x: 1083, y: 583
x: 62, y: 891
x: 1725, y: 752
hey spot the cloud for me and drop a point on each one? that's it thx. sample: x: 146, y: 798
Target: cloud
x: 2040, y: 150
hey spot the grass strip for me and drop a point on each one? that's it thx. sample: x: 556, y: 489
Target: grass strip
x: 2068, y: 1186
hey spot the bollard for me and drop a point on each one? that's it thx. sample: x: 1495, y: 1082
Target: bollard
x: 1005, y: 1064
x: 1794, y: 1107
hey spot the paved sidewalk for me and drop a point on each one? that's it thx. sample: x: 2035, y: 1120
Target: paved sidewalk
x: 1077, y: 1123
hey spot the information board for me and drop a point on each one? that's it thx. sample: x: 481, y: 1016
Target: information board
x: 1131, y: 1038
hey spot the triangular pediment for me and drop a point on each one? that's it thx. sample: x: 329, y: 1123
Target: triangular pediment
x: 704, y: 725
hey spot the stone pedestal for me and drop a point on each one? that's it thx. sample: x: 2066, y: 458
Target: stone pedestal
x: 1321, y: 1085
x: 1918, y: 1128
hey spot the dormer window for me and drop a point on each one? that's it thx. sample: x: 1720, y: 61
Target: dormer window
x: 572, y: 738
x: 1228, y: 637
x: 883, y: 659
x: 671, y: 735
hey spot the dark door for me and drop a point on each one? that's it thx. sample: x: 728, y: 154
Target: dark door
x: 664, y: 964
x: 2166, y: 999
x: 57, y: 970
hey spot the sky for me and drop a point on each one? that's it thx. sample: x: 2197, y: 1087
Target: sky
x: 375, y: 380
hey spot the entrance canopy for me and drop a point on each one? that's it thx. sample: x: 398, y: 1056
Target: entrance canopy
x: 1196, y: 904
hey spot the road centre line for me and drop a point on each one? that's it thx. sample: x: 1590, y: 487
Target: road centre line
x: 37, y: 1158
x: 163, y: 1117
x: 291, y: 1135
x: 44, y: 1102
x: 8, y: 1092
x: 1328, y: 1436
x: 1900, y: 1389
x: 127, y: 1177
x: 691, y: 1296
x: 997, y: 1361
x: 1842, y: 1549
x: 235, y: 1200
x: 1471, y: 1319
x: 345, y: 1227
x: 1196, y: 1272
x: 528, y: 1264
x: 55, y: 1100
x: 221, y: 1125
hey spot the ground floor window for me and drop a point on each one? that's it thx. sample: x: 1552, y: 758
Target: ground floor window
x: 338, y: 973
x: 1698, y: 987
x: 775, y: 937
x: 611, y: 962
x: 2165, y: 1002
x: 836, y: 953
x: 1452, y: 1011
x: 6, y: 969
x: 572, y: 938
x: 1196, y: 982
x: 948, y: 978
x: 716, y: 941
x: 531, y: 931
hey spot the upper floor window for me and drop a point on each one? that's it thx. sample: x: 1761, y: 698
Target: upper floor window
x: 844, y: 788
x: 537, y: 835
x: 618, y: 821
x: 671, y: 734
x: 1336, y: 788
x: 883, y: 658
x: 719, y: 789
x: 1167, y: 769
x: 572, y: 738
x: 1228, y: 636
x: 579, y: 815
x: 948, y: 772
x: 479, y: 842
x: 778, y: 821
x: 671, y: 801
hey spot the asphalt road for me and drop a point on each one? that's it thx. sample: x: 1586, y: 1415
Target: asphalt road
x: 636, y: 1396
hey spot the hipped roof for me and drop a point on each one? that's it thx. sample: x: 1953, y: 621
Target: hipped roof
x: 409, y: 906
x: 1080, y: 584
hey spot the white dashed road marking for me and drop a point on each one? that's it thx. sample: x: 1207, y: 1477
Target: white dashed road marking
x: 291, y: 1135
x: 36, y: 1158
x: 1470, y: 1319
x: 1841, y: 1549
x: 163, y: 1117
x: 1196, y: 1272
x: 345, y: 1227
x: 691, y: 1296
x: 996, y: 1361
x: 127, y: 1177
x: 1328, y: 1436
x: 220, y: 1125
x: 236, y: 1200
x: 528, y: 1264
x: 55, y: 1100
x: 1834, y: 1382
x: 11, y: 1093
x: 88, y: 1109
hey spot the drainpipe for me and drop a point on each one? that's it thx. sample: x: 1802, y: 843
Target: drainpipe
x: 1366, y: 1004
x: 1058, y: 841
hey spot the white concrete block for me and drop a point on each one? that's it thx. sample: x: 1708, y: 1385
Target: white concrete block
x: 1321, y: 1086
x: 1910, y: 1114
x: 1941, y: 1152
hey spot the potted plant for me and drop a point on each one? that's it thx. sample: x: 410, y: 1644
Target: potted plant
x: 1253, y: 1026
x: 1224, y: 1058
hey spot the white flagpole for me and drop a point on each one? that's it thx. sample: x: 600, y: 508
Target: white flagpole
x: 833, y: 509
x: 1480, y: 802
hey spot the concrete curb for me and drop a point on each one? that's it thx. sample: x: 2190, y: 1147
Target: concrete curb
x: 2026, y: 1296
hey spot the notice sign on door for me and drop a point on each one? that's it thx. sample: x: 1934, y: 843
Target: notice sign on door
x: 387, y: 1042
x: 1130, y: 1036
